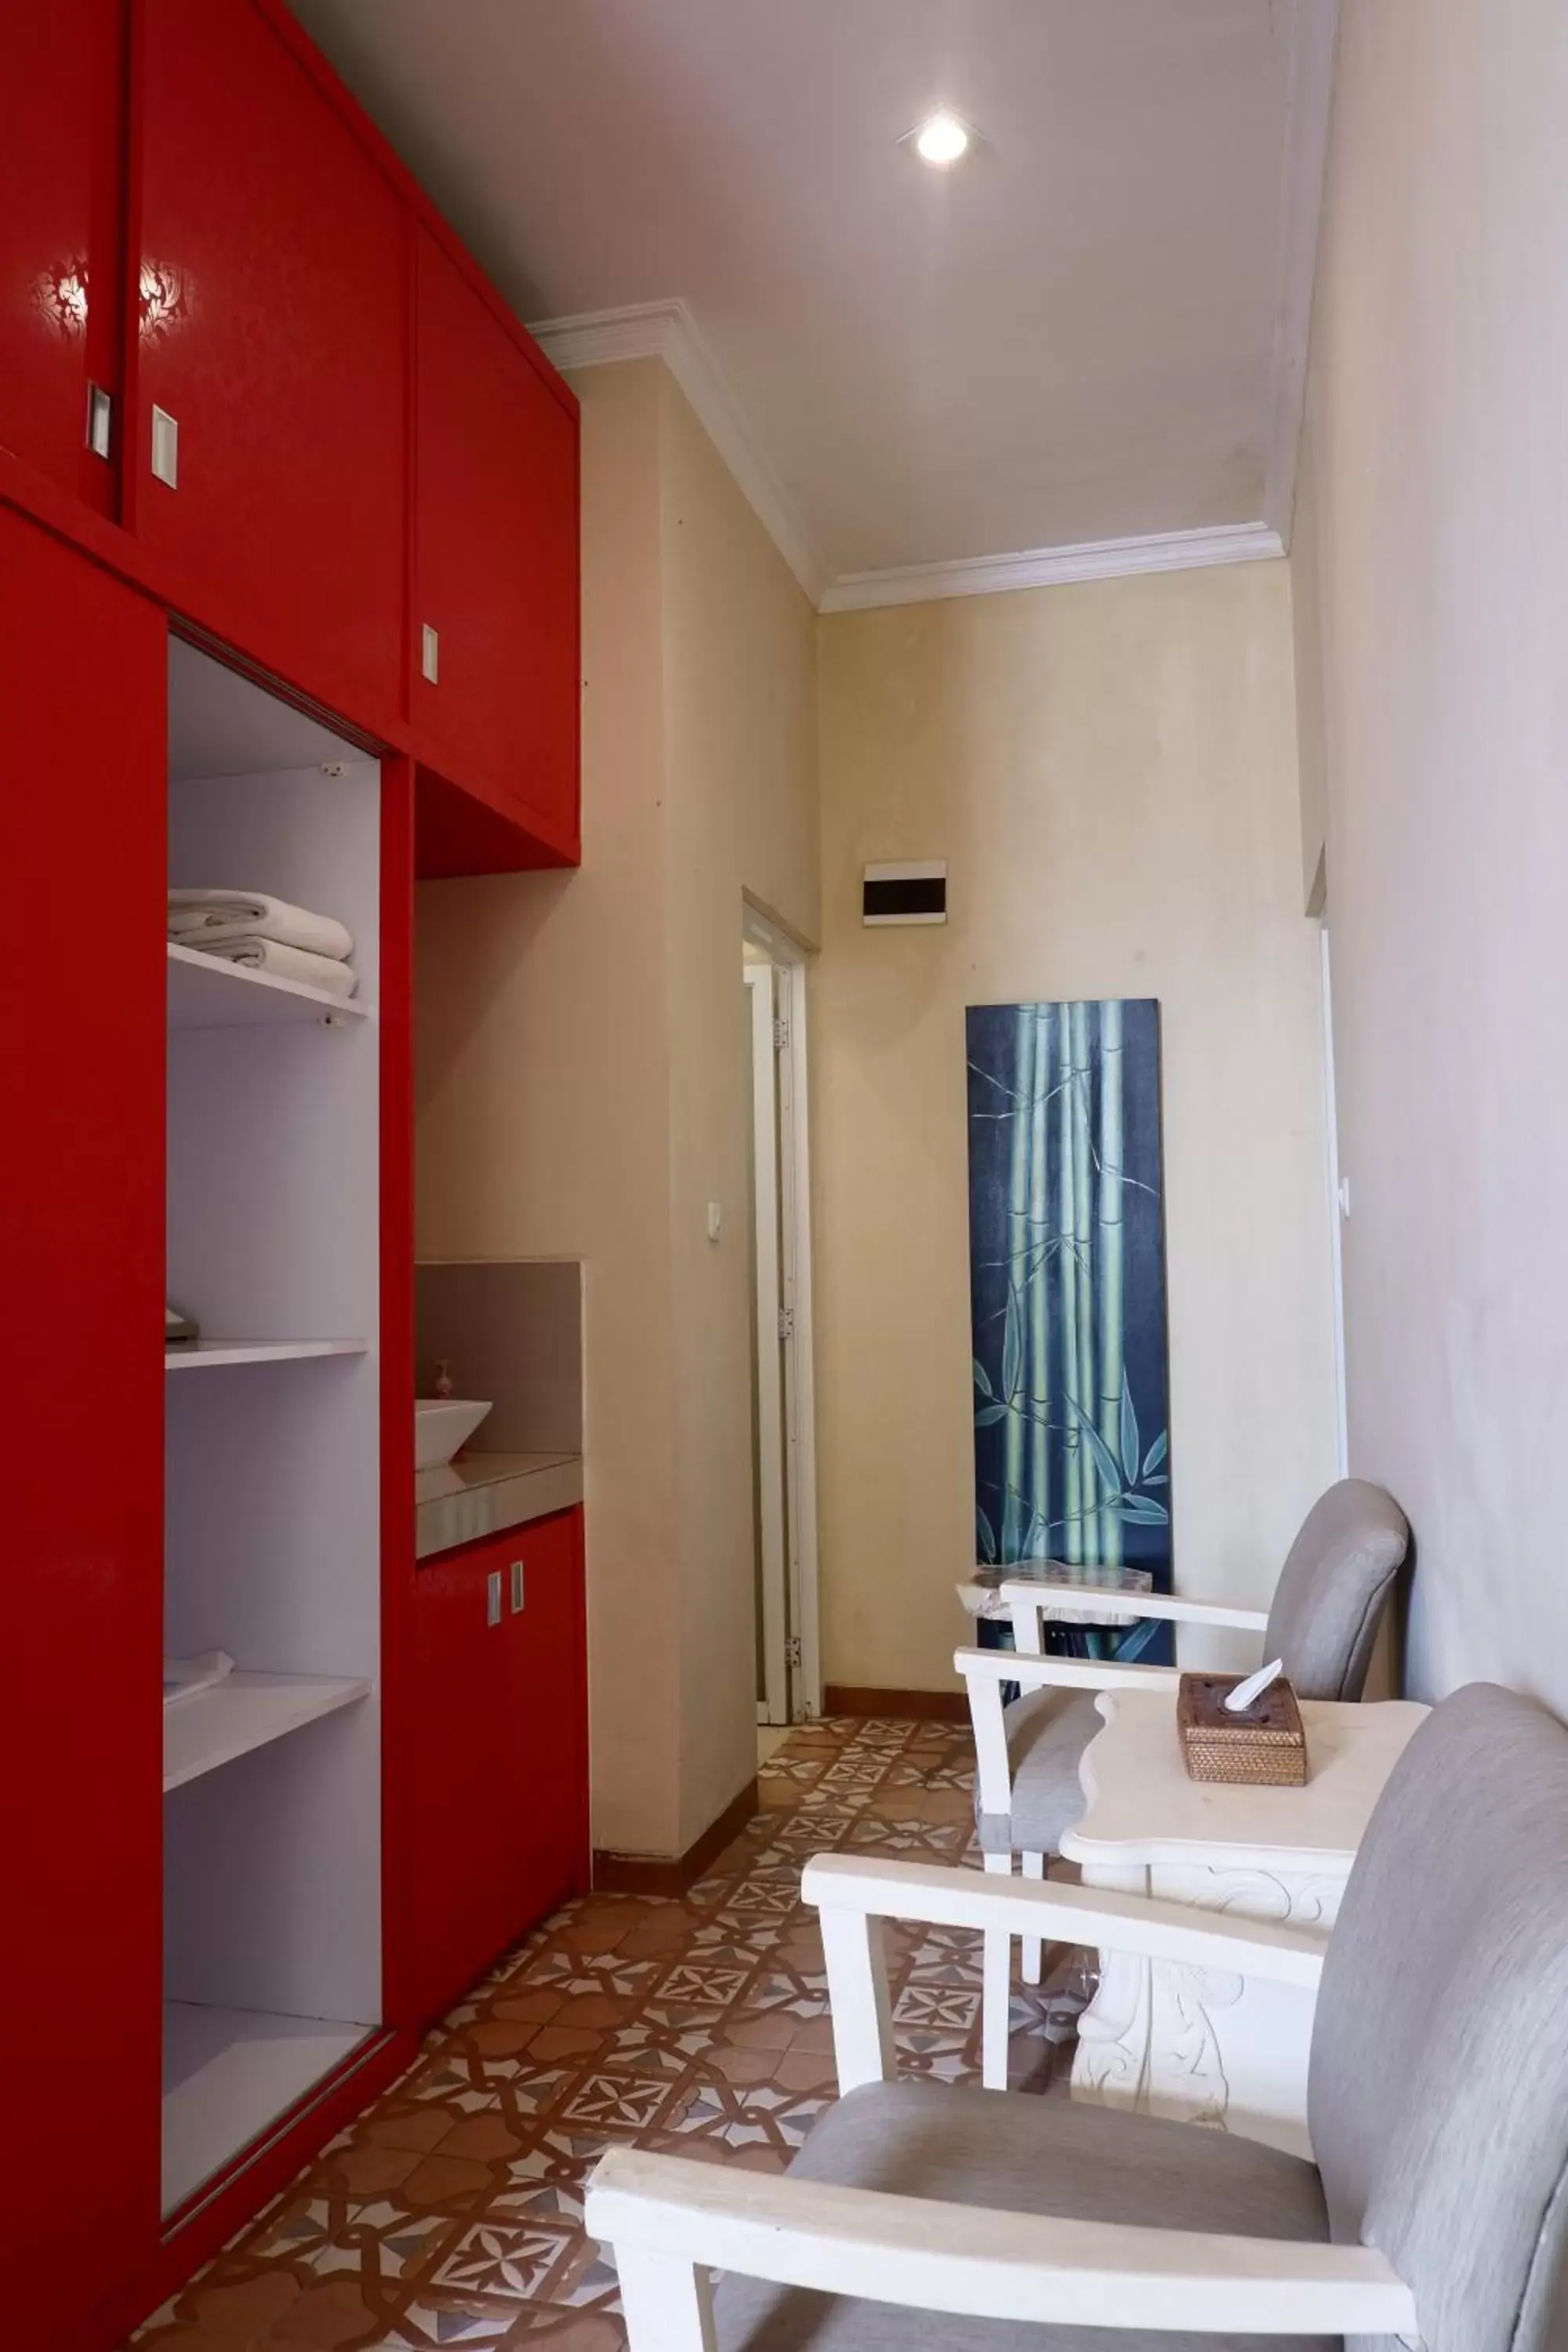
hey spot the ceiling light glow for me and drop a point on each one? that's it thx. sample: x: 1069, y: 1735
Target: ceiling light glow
x: 941, y: 139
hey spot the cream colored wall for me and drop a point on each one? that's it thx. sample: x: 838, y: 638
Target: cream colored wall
x: 1111, y: 772
x: 1437, y: 393
x: 1311, y: 716
x: 543, y: 1108
x: 583, y: 1088
x: 739, y: 737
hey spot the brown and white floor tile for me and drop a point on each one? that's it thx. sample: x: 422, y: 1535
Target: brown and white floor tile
x: 450, y: 2212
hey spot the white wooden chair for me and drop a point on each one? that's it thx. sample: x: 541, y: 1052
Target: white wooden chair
x: 927, y: 2217
x: 1328, y: 1605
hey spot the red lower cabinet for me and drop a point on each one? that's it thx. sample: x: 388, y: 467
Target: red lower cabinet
x: 81, y: 1208
x: 546, y: 1840
x: 488, y: 1827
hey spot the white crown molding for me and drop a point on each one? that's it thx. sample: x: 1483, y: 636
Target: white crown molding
x: 1314, y: 32
x: 668, y: 330
x: 1055, y: 567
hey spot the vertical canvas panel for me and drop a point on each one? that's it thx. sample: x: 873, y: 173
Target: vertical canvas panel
x: 1067, y: 1286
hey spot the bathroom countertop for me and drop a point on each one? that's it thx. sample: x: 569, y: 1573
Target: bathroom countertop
x: 480, y: 1494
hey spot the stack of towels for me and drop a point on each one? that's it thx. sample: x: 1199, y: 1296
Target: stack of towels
x: 266, y: 934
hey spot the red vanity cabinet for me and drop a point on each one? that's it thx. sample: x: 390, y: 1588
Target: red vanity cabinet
x: 546, y: 1842
x: 272, y: 330
x: 494, y: 612
x: 61, y: 182
x: 488, y: 1825
x: 443, y: 1828
x: 81, y: 1208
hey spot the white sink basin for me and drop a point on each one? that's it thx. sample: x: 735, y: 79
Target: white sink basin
x: 441, y: 1424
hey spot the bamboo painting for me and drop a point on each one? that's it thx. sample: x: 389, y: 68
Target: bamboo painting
x: 1068, y: 1282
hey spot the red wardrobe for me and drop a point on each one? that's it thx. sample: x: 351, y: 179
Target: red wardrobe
x: 289, y: 580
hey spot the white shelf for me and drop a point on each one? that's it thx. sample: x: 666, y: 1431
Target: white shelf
x: 231, y: 2072
x: 245, y: 1712
x: 207, y: 992
x: 215, y: 1352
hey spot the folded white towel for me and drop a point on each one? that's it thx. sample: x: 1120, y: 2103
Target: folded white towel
x: 198, y: 917
x: 282, y: 962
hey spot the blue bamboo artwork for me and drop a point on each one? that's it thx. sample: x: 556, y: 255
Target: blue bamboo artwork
x: 1068, y: 1291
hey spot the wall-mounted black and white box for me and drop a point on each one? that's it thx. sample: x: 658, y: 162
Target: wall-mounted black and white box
x: 912, y: 892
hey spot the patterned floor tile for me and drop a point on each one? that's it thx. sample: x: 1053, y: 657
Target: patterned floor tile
x: 450, y: 2212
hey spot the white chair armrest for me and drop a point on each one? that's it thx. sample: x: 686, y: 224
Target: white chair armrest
x: 942, y: 1895
x: 1032, y: 1672
x: 1030, y: 1594
x: 985, y: 1671
x: 670, y: 2220
x: 854, y: 1897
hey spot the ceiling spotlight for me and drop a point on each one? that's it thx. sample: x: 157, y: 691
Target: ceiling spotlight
x: 941, y: 139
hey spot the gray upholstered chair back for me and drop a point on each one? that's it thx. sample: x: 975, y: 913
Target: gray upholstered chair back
x: 1332, y: 1590
x: 1438, y: 2093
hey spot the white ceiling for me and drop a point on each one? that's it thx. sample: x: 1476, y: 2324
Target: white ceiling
x: 1091, y: 329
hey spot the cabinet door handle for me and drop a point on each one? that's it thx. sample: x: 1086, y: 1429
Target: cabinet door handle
x: 517, y: 1594
x: 166, y: 447
x: 430, y: 654
x: 493, y: 1597
x: 100, y: 421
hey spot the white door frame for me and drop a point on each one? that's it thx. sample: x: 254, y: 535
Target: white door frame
x: 773, y: 1707
x: 1339, y: 1208
x: 795, y: 1293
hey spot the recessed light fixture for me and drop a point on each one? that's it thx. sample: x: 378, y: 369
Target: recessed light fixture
x: 942, y: 139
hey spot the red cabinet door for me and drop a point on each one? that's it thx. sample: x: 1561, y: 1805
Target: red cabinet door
x: 548, y: 1770
x: 495, y: 560
x: 273, y: 329
x: 82, y: 1209
x: 61, y: 245
x: 450, y: 1720
x: 490, y: 1830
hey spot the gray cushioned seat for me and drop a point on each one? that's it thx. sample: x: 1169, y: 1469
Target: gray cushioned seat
x: 1024, y: 2155
x: 1332, y: 1590
x: 1047, y: 1731
x: 1438, y: 2096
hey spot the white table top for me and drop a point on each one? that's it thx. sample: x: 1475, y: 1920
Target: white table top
x: 1143, y: 1808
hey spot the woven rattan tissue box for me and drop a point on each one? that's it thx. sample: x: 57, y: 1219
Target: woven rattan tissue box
x: 1264, y: 1746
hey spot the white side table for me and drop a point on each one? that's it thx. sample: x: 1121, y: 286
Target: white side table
x: 1199, y: 2043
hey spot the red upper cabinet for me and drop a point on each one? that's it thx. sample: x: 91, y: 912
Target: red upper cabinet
x: 272, y: 333
x: 61, y: 245
x: 495, y: 613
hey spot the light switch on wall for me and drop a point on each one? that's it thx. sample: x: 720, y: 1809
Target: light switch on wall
x: 715, y: 1220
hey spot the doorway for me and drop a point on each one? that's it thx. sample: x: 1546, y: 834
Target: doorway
x: 784, y: 1450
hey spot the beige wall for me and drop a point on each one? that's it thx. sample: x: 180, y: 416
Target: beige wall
x: 583, y: 1092
x: 1437, y: 395
x: 1111, y: 772
x: 740, y: 737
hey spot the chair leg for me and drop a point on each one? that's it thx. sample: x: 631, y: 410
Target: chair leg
x: 1034, y: 1866
x: 995, y: 1993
